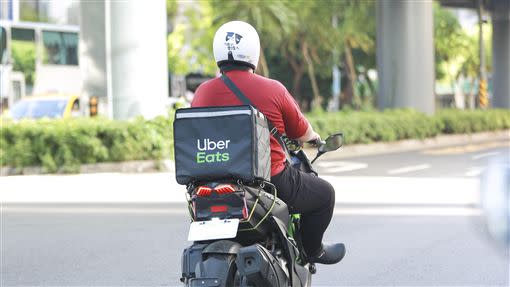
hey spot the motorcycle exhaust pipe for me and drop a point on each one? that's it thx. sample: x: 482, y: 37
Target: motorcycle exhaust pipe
x: 260, y: 267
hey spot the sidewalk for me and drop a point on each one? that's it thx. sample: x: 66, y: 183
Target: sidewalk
x: 162, y: 188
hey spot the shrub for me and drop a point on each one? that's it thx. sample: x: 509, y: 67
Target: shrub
x: 399, y: 124
x: 63, y: 145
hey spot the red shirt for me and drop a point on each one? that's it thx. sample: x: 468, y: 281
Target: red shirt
x: 269, y: 96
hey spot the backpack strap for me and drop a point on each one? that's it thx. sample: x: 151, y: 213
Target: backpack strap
x: 272, y: 129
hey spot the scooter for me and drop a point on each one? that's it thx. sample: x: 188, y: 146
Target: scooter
x: 243, y: 234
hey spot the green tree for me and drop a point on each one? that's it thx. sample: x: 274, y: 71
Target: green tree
x: 171, y: 8
x: 273, y: 20
x: 311, y: 45
x: 29, y: 12
x: 23, y: 55
x: 450, y: 41
x: 190, y: 43
x: 357, y: 28
x: 296, y: 37
x: 470, y: 56
x: 308, y: 41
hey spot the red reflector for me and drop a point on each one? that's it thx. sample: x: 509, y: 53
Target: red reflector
x: 204, y: 191
x: 224, y: 189
x: 219, y: 208
x: 245, y: 212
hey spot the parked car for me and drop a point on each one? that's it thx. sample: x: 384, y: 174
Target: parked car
x: 53, y: 106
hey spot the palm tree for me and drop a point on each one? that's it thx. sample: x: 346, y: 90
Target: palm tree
x: 357, y: 27
x: 272, y: 19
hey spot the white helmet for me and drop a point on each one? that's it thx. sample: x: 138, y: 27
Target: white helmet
x: 237, y: 42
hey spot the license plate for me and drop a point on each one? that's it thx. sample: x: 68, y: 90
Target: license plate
x: 213, y: 229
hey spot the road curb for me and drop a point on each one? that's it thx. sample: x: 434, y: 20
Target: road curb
x: 441, y: 141
x: 350, y: 151
x: 138, y: 166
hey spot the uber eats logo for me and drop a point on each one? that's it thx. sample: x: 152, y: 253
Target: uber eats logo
x: 212, y: 151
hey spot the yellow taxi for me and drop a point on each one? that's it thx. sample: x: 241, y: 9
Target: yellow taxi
x: 53, y: 106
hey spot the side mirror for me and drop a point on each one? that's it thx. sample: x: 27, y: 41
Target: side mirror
x: 333, y: 142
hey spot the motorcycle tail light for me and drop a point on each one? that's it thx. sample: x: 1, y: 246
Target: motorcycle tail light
x: 224, y: 189
x: 204, y: 191
x: 219, y: 208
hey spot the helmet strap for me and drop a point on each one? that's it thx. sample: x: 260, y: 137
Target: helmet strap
x: 227, y: 66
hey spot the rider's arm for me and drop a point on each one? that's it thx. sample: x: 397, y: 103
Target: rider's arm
x: 310, y: 135
x: 296, y: 125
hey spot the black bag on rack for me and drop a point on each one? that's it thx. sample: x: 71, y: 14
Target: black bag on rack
x: 216, y: 143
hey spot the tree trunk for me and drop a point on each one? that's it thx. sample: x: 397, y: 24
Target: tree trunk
x: 471, y: 97
x: 351, y: 73
x: 296, y: 84
x: 370, y: 83
x: 263, y: 69
x: 298, y: 70
x: 371, y: 87
x: 317, y: 99
x: 347, y: 92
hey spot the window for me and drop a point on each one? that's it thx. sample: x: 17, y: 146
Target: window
x: 23, y: 52
x: 37, y: 109
x: 60, y: 48
x: 3, y: 46
x: 17, y: 90
x: 21, y: 34
x: 76, y: 106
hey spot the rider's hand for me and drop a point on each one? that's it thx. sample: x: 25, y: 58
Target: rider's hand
x: 316, y: 139
x: 292, y: 145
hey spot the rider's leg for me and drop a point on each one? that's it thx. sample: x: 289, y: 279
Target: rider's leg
x: 311, y: 196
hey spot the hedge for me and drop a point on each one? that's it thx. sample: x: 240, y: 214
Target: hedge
x: 399, y: 124
x: 63, y: 145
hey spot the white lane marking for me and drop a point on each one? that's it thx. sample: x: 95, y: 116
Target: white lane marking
x: 331, y: 163
x: 351, y: 167
x: 343, y: 210
x: 411, y: 168
x: 342, y: 166
x: 409, y: 211
x: 482, y: 155
x: 474, y: 171
x: 460, y: 191
x: 93, y: 210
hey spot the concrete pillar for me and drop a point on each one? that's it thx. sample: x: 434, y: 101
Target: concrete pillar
x: 138, y: 58
x: 405, y: 54
x: 93, y: 54
x: 501, y: 55
x: 124, y: 56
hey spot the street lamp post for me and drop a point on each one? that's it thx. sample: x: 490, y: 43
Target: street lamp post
x: 334, y: 104
x: 482, y: 86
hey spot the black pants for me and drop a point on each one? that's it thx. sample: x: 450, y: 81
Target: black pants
x: 312, y: 197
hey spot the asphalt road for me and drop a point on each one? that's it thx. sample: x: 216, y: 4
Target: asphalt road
x: 447, y: 162
x: 141, y: 244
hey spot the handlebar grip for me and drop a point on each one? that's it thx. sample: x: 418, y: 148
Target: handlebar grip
x: 316, y: 142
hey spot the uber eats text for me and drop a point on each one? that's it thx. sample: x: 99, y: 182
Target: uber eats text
x: 212, y: 151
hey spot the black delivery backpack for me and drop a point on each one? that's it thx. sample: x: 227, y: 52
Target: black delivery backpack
x: 215, y: 143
